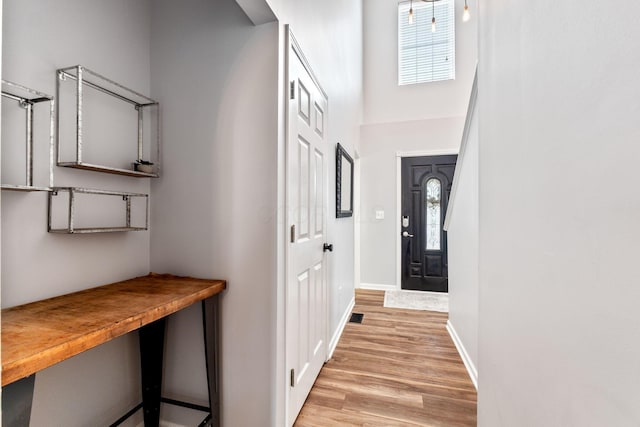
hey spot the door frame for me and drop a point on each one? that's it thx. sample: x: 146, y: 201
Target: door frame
x: 290, y: 43
x: 357, y: 217
x: 398, y: 241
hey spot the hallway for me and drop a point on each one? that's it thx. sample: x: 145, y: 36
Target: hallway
x: 397, y: 368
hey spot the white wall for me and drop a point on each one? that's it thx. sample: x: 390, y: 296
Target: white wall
x: 462, y: 239
x: 380, y: 144
x: 426, y: 117
x: 385, y: 101
x: 559, y: 341
x: 215, y: 207
x: 330, y: 35
x: 110, y: 37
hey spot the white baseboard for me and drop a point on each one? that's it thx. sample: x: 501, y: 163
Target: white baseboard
x: 338, y: 333
x: 468, y: 363
x: 376, y: 287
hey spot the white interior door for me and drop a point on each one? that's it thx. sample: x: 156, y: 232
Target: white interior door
x: 306, y: 312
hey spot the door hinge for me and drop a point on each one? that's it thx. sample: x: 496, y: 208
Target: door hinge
x: 292, y: 90
x: 293, y: 378
x: 293, y: 233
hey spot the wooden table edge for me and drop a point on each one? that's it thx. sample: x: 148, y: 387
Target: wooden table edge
x: 16, y: 370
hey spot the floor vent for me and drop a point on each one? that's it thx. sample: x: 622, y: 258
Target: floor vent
x: 356, y: 318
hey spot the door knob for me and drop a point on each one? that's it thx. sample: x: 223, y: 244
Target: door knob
x: 406, y: 234
x: 327, y: 247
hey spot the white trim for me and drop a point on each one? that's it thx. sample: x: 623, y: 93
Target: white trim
x: 293, y: 44
x: 280, y: 398
x: 357, y: 217
x: 399, y: 156
x: 406, y: 44
x: 376, y: 287
x: 468, y: 363
x: 338, y: 333
x: 259, y: 12
x: 437, y: 152
x: 463, y: 149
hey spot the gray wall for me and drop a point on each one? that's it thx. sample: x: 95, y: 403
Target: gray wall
x: 423, y: 118
x: 112, y: 38
x: 1, y: 38
x: 215, y: 205
x: 380, y: 144
x: 462, y: 239
x: 221, y: 124
x: 559, y: 341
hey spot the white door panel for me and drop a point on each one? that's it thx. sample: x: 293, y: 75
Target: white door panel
x: 306, y: 312
x: 319, y: 193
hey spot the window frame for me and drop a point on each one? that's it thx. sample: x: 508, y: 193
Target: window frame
x: 420, y: 7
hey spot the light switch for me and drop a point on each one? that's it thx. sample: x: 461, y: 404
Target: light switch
x: 379, y: 214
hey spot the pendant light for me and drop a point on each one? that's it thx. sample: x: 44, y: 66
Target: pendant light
x: 433, y: 16
x: 411, y: 13
x: 465, y: 14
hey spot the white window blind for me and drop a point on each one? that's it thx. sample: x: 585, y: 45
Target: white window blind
x: 425, y: 56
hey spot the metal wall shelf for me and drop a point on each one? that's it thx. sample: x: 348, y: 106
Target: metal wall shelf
x: 107, y: 169
x: 83, y: 78
x: 24, y: 188
x: 28, y: 98
x: 71, y: 227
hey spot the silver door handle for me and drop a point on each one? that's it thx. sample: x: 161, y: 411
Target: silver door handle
x: 406, y: 234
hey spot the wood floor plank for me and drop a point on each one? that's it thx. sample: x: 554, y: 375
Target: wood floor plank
x: 397, y: 368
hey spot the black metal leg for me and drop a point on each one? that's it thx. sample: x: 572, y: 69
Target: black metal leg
x: 16, y: 402
x: 151, y: 355
x: 210, y: 316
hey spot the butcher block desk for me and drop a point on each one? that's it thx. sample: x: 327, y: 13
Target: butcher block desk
x: 41, y: 334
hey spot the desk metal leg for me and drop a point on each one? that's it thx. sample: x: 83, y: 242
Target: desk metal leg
x: 16, y: 402
x: 151, y: 355
x: 210, y: 316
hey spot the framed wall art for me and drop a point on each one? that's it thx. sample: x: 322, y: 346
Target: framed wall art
x: 344, y: 183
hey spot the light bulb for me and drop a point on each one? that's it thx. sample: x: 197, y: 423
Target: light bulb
x: 410, y: 16
x: 466, y: 15
x: 433, y: 24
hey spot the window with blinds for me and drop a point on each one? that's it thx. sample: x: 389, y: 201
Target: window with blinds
x: 426, y: 56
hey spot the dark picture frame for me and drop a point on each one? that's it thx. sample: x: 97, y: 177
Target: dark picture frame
x: 344, y: 183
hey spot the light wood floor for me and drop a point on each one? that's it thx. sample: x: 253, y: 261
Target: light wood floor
x: 397, y: 368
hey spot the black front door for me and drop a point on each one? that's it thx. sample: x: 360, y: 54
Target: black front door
x: 426, y: 186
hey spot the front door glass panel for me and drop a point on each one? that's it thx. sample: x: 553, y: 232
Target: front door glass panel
x: 432, y: 209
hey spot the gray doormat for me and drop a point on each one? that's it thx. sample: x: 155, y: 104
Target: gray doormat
x: 417, y: 300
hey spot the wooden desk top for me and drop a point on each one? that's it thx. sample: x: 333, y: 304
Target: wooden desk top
x: 43, y: 333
